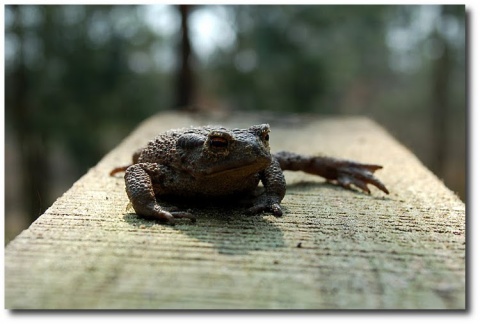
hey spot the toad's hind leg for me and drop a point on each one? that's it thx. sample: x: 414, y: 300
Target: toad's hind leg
x: 135, y: 157
x: 344, y: 172
x: 139, y: 187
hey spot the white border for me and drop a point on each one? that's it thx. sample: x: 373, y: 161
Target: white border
x: 367, y: 317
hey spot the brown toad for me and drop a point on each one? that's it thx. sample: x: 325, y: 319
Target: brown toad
x: 207, y: 162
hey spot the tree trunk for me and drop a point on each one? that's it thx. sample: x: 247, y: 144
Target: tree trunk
x: 33, y: 153
x: 440, y: 99
x: 185, y: 73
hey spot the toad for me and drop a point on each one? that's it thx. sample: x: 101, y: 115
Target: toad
x: 218, y: 163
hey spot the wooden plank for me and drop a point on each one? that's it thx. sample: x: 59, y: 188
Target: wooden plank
x: 332, y: 249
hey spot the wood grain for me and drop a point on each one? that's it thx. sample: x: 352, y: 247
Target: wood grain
x: 332, y: 249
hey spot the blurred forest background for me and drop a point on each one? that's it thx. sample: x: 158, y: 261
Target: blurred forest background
x: 78, y: 79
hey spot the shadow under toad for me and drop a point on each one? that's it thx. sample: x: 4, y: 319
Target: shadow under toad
x: 311, y: 186
x: 227, y: 227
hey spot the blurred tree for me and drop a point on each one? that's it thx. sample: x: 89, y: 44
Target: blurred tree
x: 185, y: 80
x: 441, y: 107
x: 33, y: 162
x: 301, y: 58
x: 79, y: 77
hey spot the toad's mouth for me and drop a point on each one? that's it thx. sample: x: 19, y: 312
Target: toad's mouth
x: 240, y: 169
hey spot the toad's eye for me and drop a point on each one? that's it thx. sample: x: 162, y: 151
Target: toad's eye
x: 264, y: 136
x: 218, y: 142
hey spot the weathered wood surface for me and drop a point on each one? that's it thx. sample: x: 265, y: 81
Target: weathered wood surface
x: 357, y: 251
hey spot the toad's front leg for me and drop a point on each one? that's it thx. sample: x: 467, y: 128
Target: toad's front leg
x: 344, y: 172
x: 275, y: 187
x: 140, y: 191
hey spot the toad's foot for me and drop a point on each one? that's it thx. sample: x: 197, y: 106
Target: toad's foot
x: 359, y: 175
x: 163, y: 216
x: 265, y: 204
x: 140, y: 191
